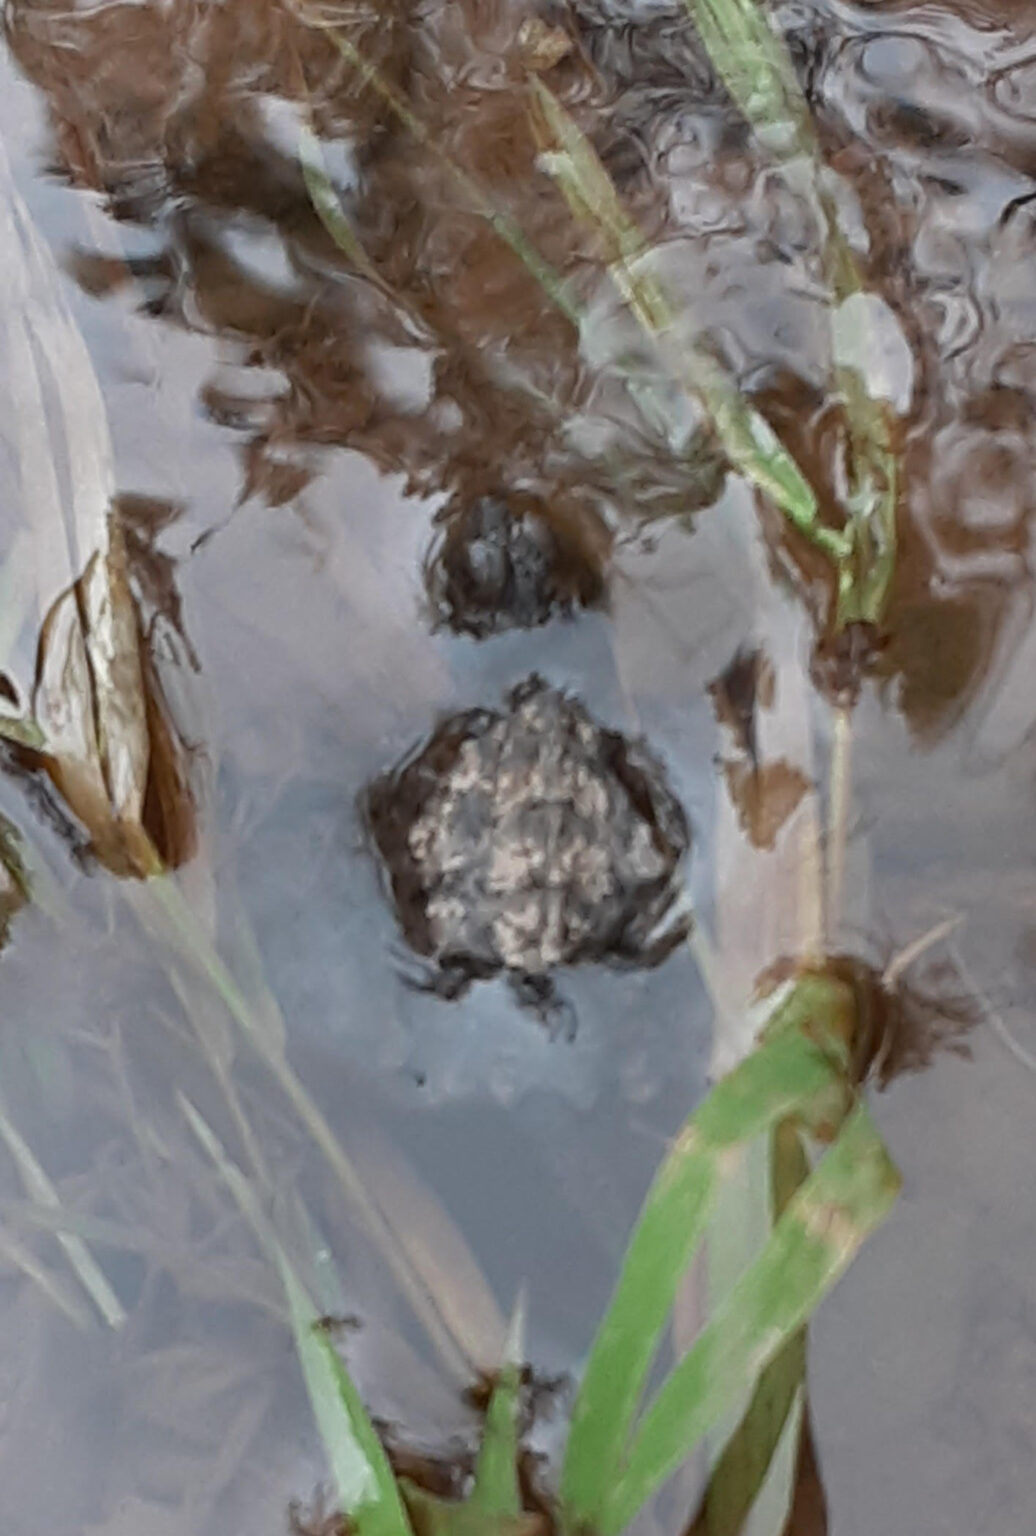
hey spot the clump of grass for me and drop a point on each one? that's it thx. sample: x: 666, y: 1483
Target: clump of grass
x: 797, y: 1088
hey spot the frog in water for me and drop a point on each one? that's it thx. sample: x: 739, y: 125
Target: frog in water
x: 530, y: 837
x: 511, y: 563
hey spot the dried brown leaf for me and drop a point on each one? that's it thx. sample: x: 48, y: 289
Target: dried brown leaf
x: 764, y: 797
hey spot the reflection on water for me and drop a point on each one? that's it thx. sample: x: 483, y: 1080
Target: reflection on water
x: 299, y: 442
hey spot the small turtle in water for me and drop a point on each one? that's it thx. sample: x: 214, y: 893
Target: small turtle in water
x: 530, y: 837
x: 510, y: 564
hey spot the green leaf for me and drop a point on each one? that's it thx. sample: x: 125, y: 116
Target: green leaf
x: 850, y: 1192
x: 757, y: 70
x: 571, y: 160
x: 748, y: 440
x: 366, y: 1484
x: 743, y: 1467
x: 754, y: 63
x: 782, y: 1075
x: 494, y: 1506
x: 495, y: 1490
x: 329, y: 209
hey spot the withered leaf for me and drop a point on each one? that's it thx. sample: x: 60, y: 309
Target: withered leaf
x: 764, y: 797
x: 98, y: 730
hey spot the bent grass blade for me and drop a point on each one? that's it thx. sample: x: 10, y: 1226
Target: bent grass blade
x: 776, y: 1407
x: 781, y: 1077
x: 798, y: 1072
x: 812, y: 1244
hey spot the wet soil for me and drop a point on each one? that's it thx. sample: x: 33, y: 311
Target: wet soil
x: 301, y: 433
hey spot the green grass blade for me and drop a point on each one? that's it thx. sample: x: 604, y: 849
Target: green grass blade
x: 365, y: 1481
x: 850, y: 1192
x: 328, y: 207
x: 782, y: 1075
x: 367, y: 1488
x: 495, y: 1490
x: 549, y: 279
x: 743, y: 1468
x: 757, y: 69
x: 872, y: 496
x: 748, y: 440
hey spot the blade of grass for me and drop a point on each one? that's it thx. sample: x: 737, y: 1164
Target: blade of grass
x: 40, y: 1188
x: 785, y: 1074
x: 366, y: 1483
x: 21, y: 1257
x: 549, y: 279
x: 329, y: 209
x: 162, y: 908
x: 747, y: 438
x: 812, y: 1244
x: 757, y: 69
x: 745, y: 435
x: 744, y: 1465
x: 495, y: 1489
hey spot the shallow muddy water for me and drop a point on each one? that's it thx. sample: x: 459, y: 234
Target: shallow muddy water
x: 292, y: 431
